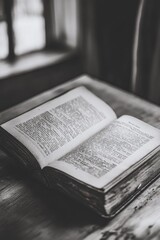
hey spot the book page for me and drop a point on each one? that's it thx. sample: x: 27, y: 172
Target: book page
x: 56, y: 127
x: 112, y: 151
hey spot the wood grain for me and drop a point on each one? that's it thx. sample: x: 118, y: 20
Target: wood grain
x: 30, y: 211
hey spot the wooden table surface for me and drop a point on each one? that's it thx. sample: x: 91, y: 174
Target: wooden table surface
x: 30, y: 211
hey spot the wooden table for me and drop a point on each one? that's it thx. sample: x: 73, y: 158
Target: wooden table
x: 30, y: 211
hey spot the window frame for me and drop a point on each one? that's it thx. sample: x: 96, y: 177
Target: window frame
x: 8, y: 6
x: 50, y: 40
x: 54, y: 64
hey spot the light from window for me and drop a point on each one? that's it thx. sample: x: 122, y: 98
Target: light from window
x: 3, y: 40
x: 28, y: 26
x: 3, y: 34
x: 66, y: 21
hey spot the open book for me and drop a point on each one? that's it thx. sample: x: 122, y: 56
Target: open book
x: 78, y: 145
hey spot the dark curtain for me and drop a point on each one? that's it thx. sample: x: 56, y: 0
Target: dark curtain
x: 147, y: 82
x: 107, y: 31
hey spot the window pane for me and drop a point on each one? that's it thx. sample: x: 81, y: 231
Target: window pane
x: 29, y: 25
x: 3, y: 40
x: 66, y: 21
x: 3, y: 34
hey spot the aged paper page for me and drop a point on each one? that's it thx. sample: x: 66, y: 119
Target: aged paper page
x: 56, y: 127
x: 110, y: 152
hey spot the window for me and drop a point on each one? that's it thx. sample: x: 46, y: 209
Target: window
x: 27, y: 26
x: 38, y: 47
